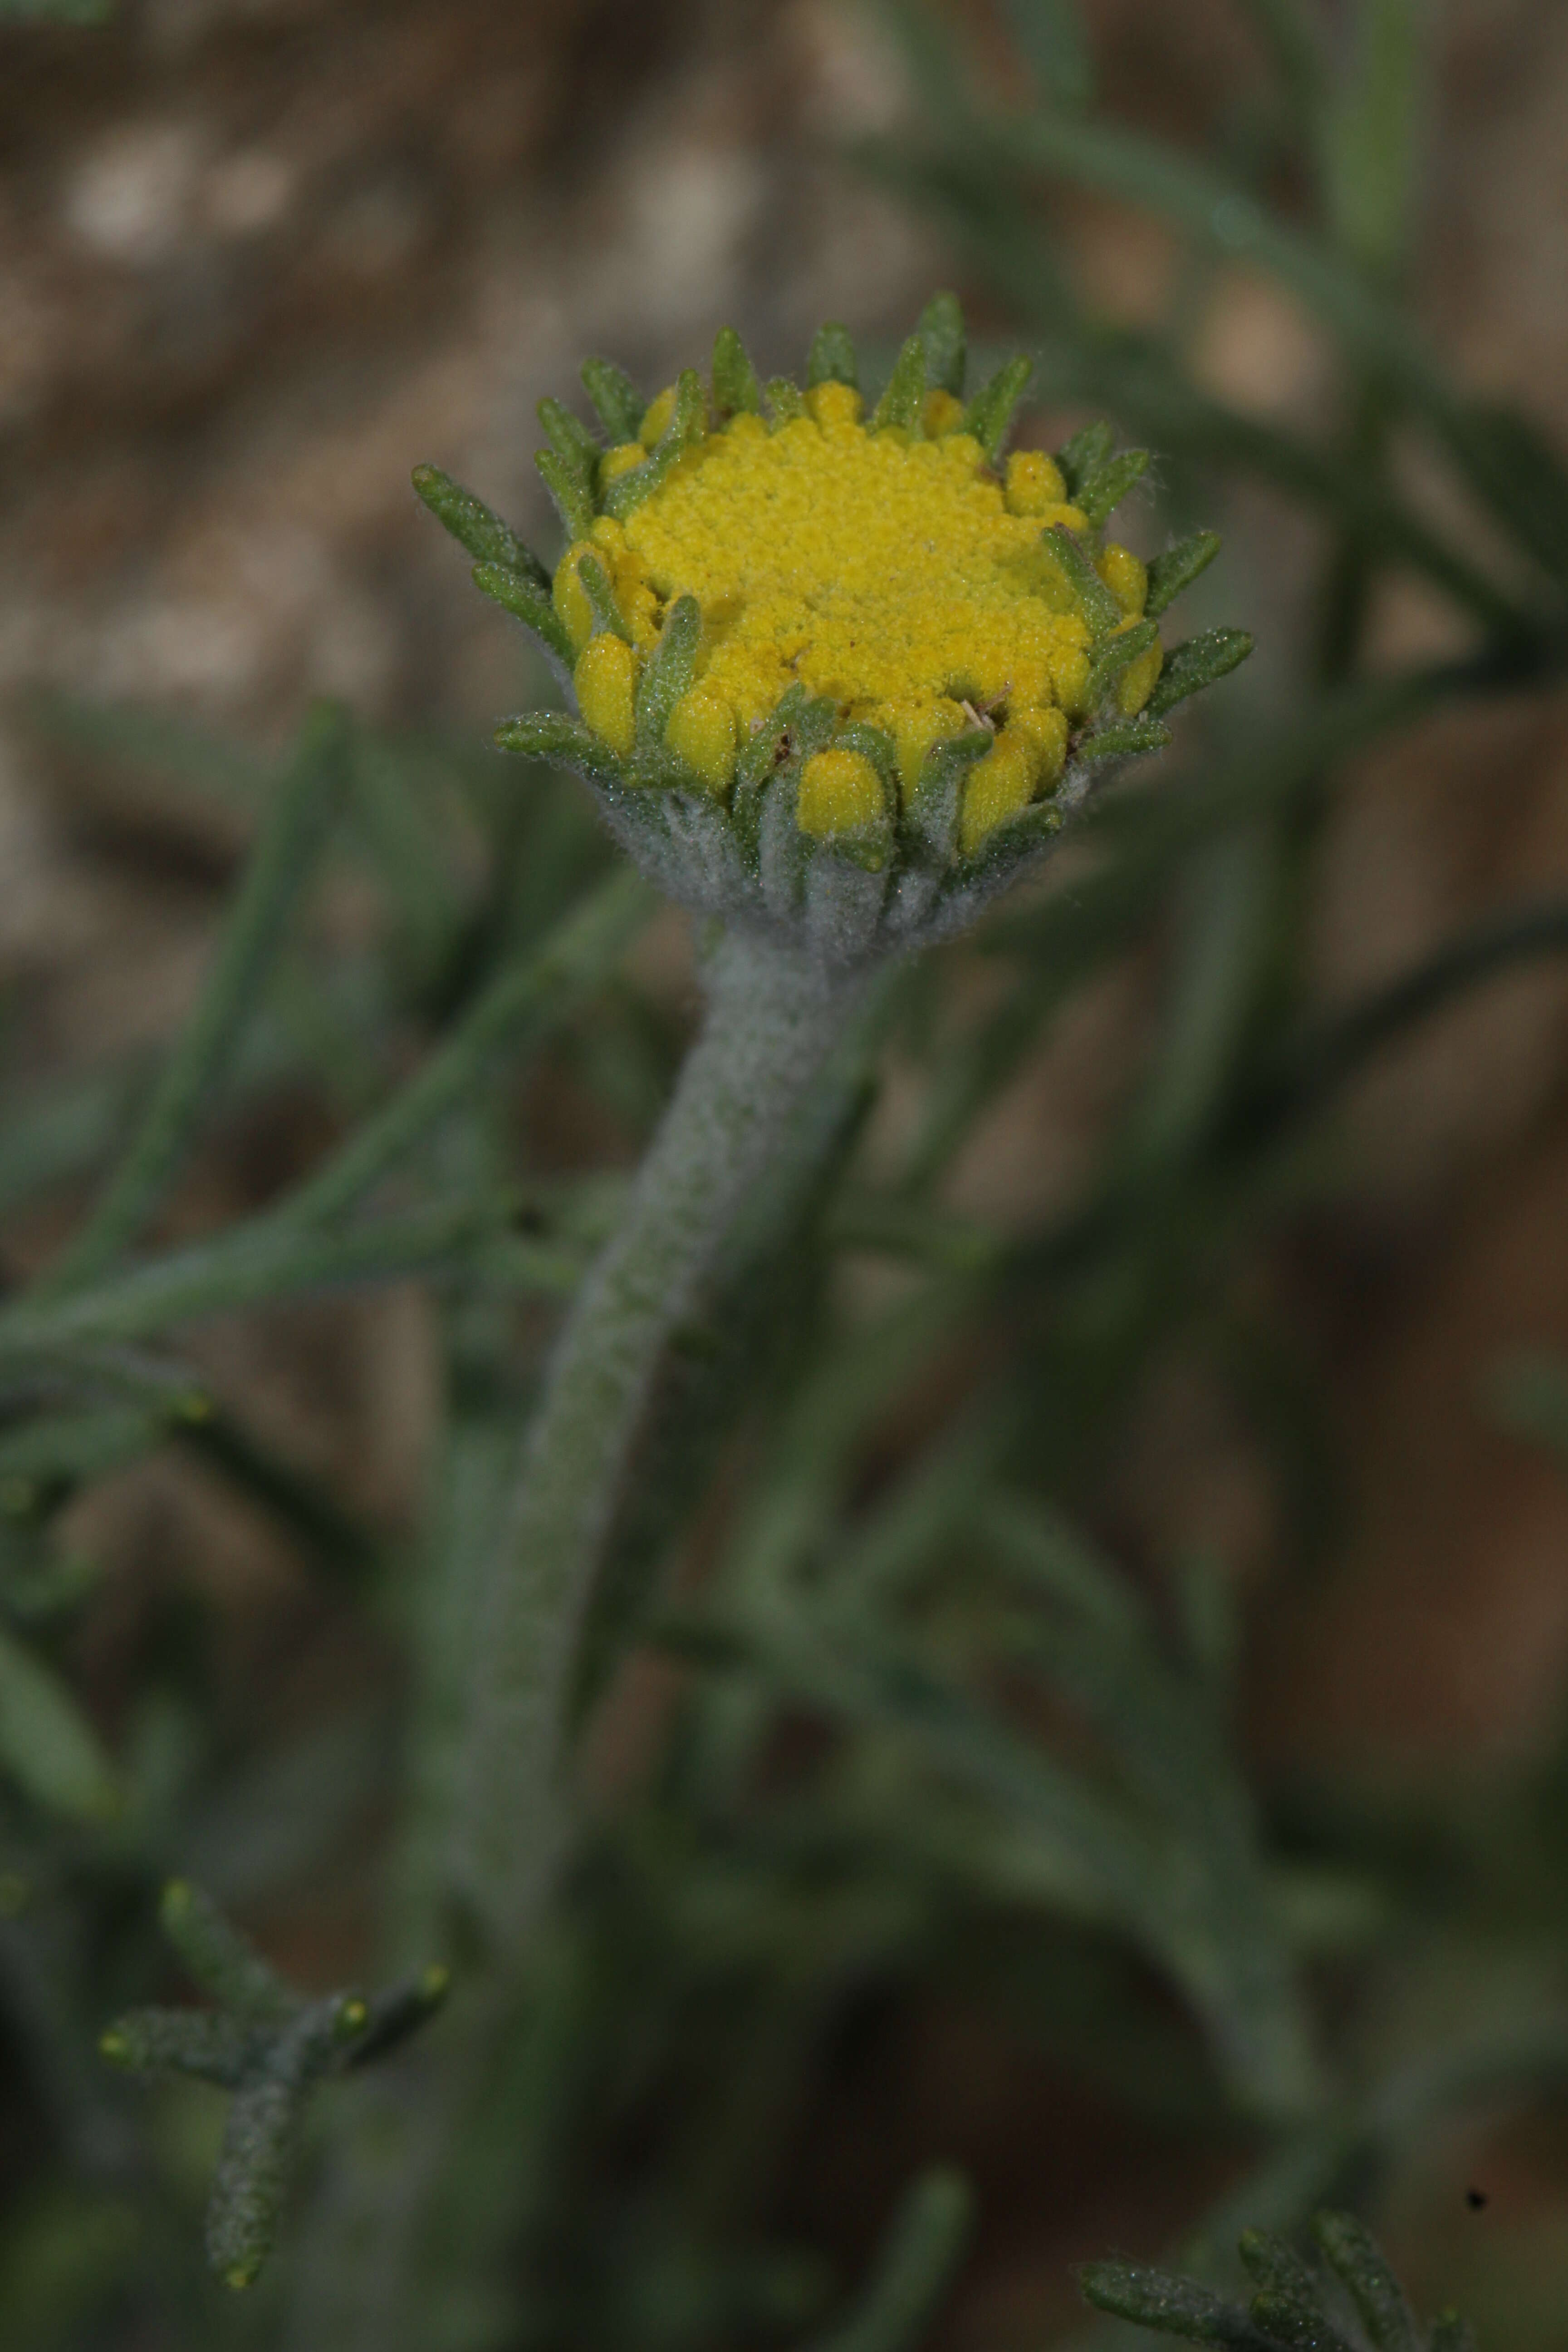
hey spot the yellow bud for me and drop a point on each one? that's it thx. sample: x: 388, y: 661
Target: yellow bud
x: 835, y: 406
x: 1127, y: 579
x: 569, y: 597
x: 1033, y: 483
x: 701, y: 730
x: 609, y: 534
x: 655, y: 417
x: 606, y: 678
x: 998, y: 787
x: 1044, y: 736
x: 840, y: 792
x: 916, y: 727
x: 1138, y: 681
x: 620, y: 460
x: 942, y: 413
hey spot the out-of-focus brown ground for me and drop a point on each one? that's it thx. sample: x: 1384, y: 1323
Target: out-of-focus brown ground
x: 257, y: 256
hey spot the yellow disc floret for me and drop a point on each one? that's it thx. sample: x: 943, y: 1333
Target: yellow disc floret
x: 999, y: 785
x: 1138, y: 681
x: 606, y: 678
x: 840, y: 792
x: 701, y: 730
x: 918, y: 727
x: 883, y: 572
x: 1127, y: 579
x: 887, y: 569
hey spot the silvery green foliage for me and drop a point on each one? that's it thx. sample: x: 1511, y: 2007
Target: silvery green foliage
x: 268, y: 2046
x: 1352, y: 2301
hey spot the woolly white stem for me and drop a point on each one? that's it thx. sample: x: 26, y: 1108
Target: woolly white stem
x: 774, y: 1014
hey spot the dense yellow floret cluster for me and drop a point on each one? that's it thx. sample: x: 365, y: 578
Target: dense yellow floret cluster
x: 893, y: 573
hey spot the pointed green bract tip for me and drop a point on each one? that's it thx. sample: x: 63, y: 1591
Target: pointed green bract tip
x: 941, y: 331
x: 736, y: 390
x: 832, y: 357
x: 901, y: 403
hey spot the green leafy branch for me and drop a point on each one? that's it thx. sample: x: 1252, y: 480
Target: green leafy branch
x: 1350, y: 2302
x: 268, y: 2046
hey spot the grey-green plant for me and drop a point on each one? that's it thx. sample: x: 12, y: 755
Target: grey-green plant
x: 930, y: 1724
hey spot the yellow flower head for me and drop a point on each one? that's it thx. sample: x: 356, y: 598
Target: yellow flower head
x: 810, y: 630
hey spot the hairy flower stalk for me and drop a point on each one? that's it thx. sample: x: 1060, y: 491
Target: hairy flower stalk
x: 838, y: 677
x: 774, y: 1017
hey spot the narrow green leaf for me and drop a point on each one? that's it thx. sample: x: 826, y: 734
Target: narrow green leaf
x: 260, y: 2143
x: 208, y: 2043
x: 1271, y: 2262
x: 937, y: 799
x: 46, y: 1743
x: 1175, y: 2306
x: 687, y: 424
x: 915, y: 2267
x: 942, y: 330
x: 476, y: 526
x: 578, y: 955
x: 1368, y: 139
x: 527, y: 603
x: 1082, y: 458
x: 393, y: 2017
x: 1117, y: 655
x: 1177, y: 568
x: 68, y: 1449
x: 617, y: 402
x: 735, y: 388
x: 1108, y: 484
x: 295, y: 831
x: 569, y: 437
x: 223, y: 1962
x: 1358, y: 2262
x: 1051, y: 41
x: 670, y: 670
x: 904, y: 398
x: 564, y: 742
x: 990, y: 414
x: 1191, y: 666
x: 1126, y: 739
x: 608, y: 613
x: 1288, y: 2319
x: 1293, y: 42
x: 573, y: 502
x: 1524, y: 479
x: 832, y: 356
x: 1098, y: 606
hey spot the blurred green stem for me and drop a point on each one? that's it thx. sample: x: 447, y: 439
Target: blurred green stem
x: 1352, y: 563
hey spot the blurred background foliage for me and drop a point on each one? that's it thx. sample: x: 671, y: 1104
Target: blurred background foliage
x: 1074, y: 1740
